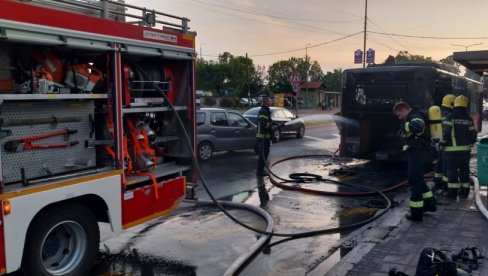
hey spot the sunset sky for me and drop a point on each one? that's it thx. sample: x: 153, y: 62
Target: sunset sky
x: 273, y: 30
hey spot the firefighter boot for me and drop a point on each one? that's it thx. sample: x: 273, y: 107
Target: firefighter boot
x: 415, y: 214
x: 439, y: 184
x: 452, y: 193
x: 463, y: 192
x: 430, y: 204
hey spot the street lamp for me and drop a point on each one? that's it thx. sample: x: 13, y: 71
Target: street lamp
x: 467, y: 46
x: 306, y: 75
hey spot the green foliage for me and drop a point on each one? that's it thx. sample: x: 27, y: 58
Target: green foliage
x: 406, y: 57
x: 333, y: 80
x: 279, y: 73
x: 452, y: 65
x: 238, y: 75
x: 230, y: 73
x: 209, y: 101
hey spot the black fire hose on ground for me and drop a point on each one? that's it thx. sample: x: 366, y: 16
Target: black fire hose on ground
x: 308, y: 177
x: 271, y: 233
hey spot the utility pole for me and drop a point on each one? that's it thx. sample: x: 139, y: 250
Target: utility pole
x: 201, y: 55
x: 365, y: 24
x: 247, y: 80
x: 306, y: 75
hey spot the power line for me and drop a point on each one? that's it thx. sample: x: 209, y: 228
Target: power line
x: 296, y: 24
x: 392, y: 38
x: 427, y: 37
x: 281, y: 16
x: 354, y: 34
x: 311, y: 46
x: 332, y: 8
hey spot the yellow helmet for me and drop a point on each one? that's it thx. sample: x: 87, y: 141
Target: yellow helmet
x: 448, y: 100
x: 461, y: 101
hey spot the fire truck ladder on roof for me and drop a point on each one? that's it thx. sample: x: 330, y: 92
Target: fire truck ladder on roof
x: 116, y: 10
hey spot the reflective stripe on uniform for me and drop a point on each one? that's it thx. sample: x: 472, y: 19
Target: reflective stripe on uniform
x: 458, y: 148
x: 465, y: 185
x: 422, y: 123
x: 428, y: 194
x: 417, y: 204
x: 453, y: 185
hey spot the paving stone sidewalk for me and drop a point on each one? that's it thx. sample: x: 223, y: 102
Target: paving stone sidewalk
x: 457, y: 224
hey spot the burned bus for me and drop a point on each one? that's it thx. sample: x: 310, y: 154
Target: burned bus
x: 369, y: 129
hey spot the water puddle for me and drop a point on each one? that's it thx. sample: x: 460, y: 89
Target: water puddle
x: 133, y: 263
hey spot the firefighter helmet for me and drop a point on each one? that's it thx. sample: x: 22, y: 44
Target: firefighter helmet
x: 448, y: 100
x: 461, y: 101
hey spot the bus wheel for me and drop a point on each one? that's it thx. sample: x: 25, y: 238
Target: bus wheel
x: 62, y: 240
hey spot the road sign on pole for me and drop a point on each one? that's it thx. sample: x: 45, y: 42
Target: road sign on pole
x: 296, y: 81
x: 358, y: 56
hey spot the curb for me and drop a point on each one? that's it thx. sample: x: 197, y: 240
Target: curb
x: 367, y: 237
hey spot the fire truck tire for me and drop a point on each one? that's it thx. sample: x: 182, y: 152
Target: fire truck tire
x: 61, y: 241
x: 205, y: 151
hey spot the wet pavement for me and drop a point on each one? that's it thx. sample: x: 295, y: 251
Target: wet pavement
x: 202, y: 241
x: 393, y: 242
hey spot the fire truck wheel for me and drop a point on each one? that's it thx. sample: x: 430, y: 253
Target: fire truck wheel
x: 205, y: 151
x: 300, y: 132
x: 275, y: 136
x: 62, y: 240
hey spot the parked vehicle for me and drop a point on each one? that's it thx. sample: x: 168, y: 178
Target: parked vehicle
x: 220, y: 130
x: 280, y: 117
x: 88, y: 136
x: 370, y: 93
x: 249, y: 102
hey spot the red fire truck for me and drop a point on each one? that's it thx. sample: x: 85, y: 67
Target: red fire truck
x: 92, y: 93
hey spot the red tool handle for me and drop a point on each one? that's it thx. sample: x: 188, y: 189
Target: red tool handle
x: 29, y: 146
x: 47, y: 135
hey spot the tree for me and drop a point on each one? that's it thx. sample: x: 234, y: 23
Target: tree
x: 231, y: 74
x: 279, y: 73
x: 403, y: 57
x: 406, y: 57
x: 452, y: 65
x: 333, y: 80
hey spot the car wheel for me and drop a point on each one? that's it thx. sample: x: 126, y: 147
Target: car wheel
x: 275, y: 136
x: 300, y: 132
x: 205, y: 151
x: 61, y: 241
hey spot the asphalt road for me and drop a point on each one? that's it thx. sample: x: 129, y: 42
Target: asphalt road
x: 231, y: 173
x: 202, y: 241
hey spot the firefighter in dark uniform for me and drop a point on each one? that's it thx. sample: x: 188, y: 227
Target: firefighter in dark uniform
x: 440, y: 176
x: 459, y: 134
x: 263, y: 135
x: 419, y: 156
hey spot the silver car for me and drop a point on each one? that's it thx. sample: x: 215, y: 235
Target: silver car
x: 220, y: 130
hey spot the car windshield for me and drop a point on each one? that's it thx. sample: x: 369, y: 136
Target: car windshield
x: 252, y: 111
